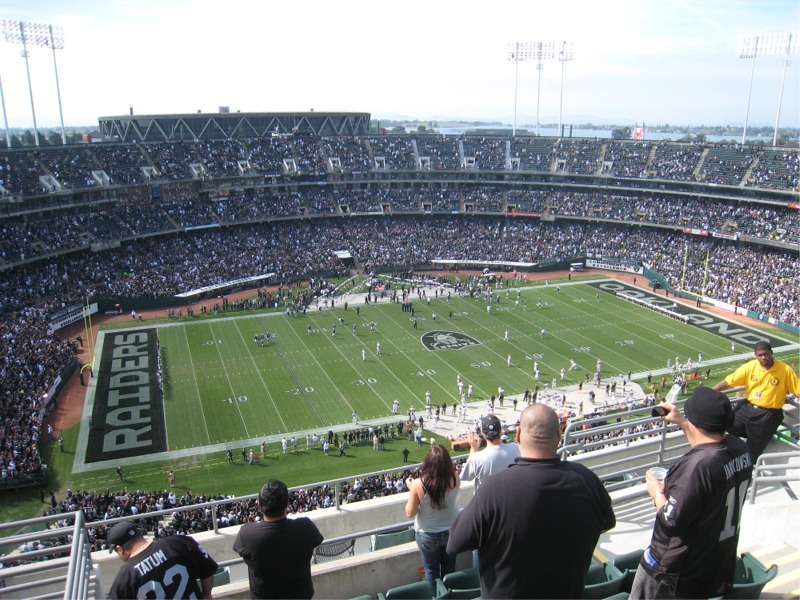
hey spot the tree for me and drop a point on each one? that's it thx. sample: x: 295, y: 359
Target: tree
x: 54, y: 138
x: 398, y: 129
x: 621, y: 133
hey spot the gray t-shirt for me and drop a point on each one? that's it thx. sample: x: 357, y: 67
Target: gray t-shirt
x: 492, y: 459
x: 431, y: 520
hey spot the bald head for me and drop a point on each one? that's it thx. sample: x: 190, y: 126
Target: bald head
x: 539, y: 432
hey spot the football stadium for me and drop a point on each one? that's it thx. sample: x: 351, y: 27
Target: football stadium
x: 197, y: 303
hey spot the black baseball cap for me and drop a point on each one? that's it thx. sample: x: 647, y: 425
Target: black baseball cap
x: 491, y: 427
x: 709, y: 409
x: 120, y: 534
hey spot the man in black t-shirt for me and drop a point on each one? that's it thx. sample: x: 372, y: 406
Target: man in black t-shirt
x: 167, y: 568
x: 536, y: 523
x: 278, y: 550
x: 692, y: 553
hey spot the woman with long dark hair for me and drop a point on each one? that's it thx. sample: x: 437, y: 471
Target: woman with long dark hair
x: 432, y: 503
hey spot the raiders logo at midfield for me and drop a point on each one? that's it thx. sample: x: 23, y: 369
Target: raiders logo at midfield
x: 447, y: 340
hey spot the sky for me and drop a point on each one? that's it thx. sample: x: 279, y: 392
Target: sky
x: 653, y: 61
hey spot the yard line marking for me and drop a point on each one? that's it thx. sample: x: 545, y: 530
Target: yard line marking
x: 230, y: 384
x: 196, y: 387
x: 260, y: 376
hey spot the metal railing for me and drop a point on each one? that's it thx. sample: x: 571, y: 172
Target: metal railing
x: 620, y: 444
x: 768, y: 464
x: 71, y: 565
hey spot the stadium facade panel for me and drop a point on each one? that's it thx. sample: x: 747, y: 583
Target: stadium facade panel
x: 228, y: 126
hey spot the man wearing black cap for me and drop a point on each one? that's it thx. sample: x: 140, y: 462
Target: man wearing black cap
x: 692, y: 553
x: 535, y: 524
x: 766, y: 381
x: 496, y: 457
x: 167, y: 568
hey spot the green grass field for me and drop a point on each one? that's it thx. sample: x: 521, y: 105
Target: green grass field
x: 223, y: 391
x: 221, y: 387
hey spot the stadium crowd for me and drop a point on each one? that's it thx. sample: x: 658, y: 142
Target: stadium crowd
x: 31, y: 358
x: 236, y: 235
x: 80, y: 167
x: 100, y: 506
x: 751, y: 276
x: 181, y: 208
x: 756, y: 277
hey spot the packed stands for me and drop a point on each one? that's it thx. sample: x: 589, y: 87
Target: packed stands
x: 150, y: 220
x: 627, y: 159
x: 488, y: 153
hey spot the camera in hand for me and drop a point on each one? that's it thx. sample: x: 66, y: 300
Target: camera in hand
x: 659, y: 411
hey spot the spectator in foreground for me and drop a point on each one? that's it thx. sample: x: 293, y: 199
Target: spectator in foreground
x: 171, y: 567
x: 495, y: 458
x: 692, y: 553
x: 536, y: 524
x: 433, y: 504
x: 278, y: 550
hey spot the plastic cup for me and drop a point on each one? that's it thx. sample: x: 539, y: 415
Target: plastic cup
x: 659, y: 473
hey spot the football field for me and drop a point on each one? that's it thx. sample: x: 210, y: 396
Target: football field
x: 222, y: 388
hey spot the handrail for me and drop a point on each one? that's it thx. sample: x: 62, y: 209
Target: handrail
x: 78, y: 578
x: 763, y: 467
x: 335, y: 540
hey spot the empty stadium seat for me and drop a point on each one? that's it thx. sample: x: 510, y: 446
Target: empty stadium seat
x: 628, y: 563
x: 460, y: 584
x: 603, y: 581
x: 418, y: 590
x: 328, y: 552
x: 379, y: 541
x: 750, y: 577
x: 222, y: 576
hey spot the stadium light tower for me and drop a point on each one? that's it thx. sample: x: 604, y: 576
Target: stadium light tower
x: 36, y: 34
x: 566, y: 53
x: 789, y: 44
x: 537, y: 51
x: 767, y: 44
x: 5, y: 116
x: 541, y: 51
x: 518, y: 51
x: 748, y: 48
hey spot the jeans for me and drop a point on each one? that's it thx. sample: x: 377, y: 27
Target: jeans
x: 435, y: 559
x: 647, y: 586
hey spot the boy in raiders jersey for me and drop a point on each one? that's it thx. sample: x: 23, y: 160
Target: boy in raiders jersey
x: 166, y: 568
x: 692, y: 553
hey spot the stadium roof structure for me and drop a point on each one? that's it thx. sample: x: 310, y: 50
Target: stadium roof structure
x: 226, y: 125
